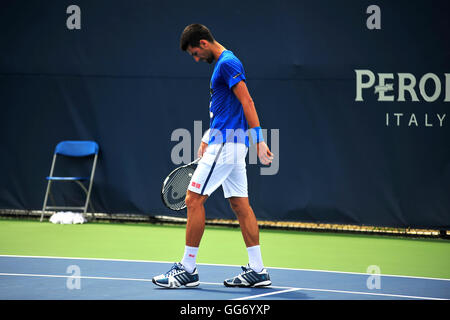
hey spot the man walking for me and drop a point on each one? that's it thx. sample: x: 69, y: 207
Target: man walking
x: 223, y: 150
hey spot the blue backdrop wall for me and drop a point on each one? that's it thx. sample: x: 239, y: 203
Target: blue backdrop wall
x: 358, y: 96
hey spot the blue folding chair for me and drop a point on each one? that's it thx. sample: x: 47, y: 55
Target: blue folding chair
x: 76, y: 149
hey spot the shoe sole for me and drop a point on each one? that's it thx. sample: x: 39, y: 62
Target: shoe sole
x: 192, y: 284
x: 188, y: 285
x: 259, y: 284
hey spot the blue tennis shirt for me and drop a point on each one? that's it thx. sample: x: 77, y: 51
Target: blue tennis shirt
x: 227, y: 123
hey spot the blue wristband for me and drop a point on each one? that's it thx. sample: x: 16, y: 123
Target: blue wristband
x: 257, y: 135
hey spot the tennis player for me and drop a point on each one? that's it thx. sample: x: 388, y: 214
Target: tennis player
x: 233, y: 118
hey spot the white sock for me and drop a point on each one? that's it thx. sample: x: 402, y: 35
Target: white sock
x: 190, y: 255
x: 255, y: 259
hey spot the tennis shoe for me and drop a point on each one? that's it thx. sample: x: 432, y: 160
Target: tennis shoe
x: 249, y: 278
x: 176, y: 277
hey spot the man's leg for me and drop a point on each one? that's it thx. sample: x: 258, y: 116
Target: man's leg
x: 249, y: 229
x: 185, y: 274
x: 247, y: 220
x: 195, y: 227
x: 195, y: 218
x: 256, y: 275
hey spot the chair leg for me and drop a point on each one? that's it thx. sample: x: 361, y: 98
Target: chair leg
x: 46, y: 199
x: 87, y: 203
x: 48, y: 187
x: 91, y: 181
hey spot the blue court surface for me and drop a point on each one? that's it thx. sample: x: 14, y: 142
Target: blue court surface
x: 54, y: 278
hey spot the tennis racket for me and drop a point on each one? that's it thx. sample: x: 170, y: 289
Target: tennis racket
x: 174, y: 188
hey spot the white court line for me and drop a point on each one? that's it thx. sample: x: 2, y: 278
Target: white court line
x: 286, y: 289
x: 220, y: 265
x: 267, y: 294
x: 69, y: 276
x: 340, y: 291
x: 290, y: 289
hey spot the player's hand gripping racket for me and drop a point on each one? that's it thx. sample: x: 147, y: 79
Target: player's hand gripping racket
x: 174, y: 188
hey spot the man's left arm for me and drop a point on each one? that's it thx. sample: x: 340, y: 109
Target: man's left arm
x: 241, y: 91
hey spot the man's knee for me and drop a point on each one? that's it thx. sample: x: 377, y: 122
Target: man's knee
x: 240, y: 206
x: 194, y: 200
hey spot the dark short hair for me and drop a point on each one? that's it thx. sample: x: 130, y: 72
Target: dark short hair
x: 192, y: 35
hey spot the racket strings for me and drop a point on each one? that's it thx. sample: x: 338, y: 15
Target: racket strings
x: 175, y: 189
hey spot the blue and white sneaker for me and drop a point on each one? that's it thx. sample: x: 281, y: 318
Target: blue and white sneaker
x: 176, y: 277
x: 249, y: 278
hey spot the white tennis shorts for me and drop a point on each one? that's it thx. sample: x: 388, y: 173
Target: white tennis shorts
x: 221, y: 165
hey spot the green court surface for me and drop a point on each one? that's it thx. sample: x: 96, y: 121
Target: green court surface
x: 220, y: 245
